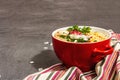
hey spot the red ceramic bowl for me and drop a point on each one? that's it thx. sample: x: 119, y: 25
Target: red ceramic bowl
x: 83, y: 55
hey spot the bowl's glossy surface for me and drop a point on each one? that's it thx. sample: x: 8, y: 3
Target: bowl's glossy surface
x: 83, y: 55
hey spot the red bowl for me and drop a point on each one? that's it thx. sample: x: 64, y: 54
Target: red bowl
x: 82, y: 55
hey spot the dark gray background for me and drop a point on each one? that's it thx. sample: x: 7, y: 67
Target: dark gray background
x: 26, y: 24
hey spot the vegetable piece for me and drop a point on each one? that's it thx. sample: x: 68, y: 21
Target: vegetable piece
x: 85, y: 30
x: 62, y: 36
x: 75, y: 27
x: 81, y: 40
x: 75, y: 32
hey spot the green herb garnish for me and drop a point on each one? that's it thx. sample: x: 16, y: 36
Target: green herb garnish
x: 81, y: 40
x: 75, y: 27
x: 83, y: 30
x: 62, y: 36
x: 95, y: 40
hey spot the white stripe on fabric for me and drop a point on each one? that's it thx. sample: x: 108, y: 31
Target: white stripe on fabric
x: 102, y: 69
x: 88, y: 72
x: 72, y: 72
x: 58, y: 64
x: 34, y: 74
x: 82, y: 77
x: 53, y: 75
x: 113, y: 73
x: 66, y: 73
x: 44, y: 76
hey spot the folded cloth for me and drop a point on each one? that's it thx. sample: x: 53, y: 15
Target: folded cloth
x: 106, y: 69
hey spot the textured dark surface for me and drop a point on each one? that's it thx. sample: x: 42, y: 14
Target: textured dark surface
x: 26, y: 24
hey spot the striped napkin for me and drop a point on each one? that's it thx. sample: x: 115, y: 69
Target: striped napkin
x: 106, y: 69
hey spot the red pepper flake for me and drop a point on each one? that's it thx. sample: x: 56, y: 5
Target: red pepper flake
x: 75, y: 32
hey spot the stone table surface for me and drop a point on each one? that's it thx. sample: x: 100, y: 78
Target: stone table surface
x: 26, y: 27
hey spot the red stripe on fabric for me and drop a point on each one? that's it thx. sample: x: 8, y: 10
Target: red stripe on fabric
x: 106, y: 67
x: 50, y: 68
x: 56, y: 70
x: 109, y: 68
x: 118, y: 36
x: 31, y: 77
x: 61, y: 74
x: 74, y: 78
x: 90, y: 76
x: 72, y: 75
x: 55, y: 75
x: 112, y: 72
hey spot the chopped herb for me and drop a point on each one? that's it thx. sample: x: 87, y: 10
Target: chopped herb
x: 72, y: 40
x: 85, y: 30
x: 62, y: 36
x: 75, y: 27
x: 81, y: 40
x: 95, y: 40
x: 68, y: 38
x: 70, y: 29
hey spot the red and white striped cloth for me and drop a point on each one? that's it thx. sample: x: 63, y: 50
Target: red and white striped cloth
x: 107, y: 69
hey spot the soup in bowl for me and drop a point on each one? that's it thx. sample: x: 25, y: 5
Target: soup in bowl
x: 81, y: 46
